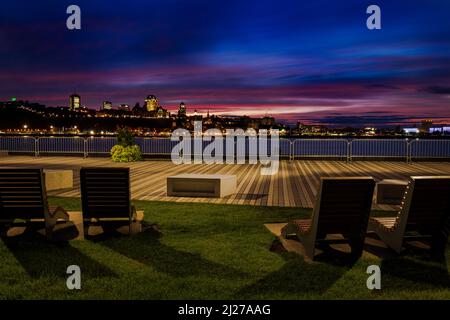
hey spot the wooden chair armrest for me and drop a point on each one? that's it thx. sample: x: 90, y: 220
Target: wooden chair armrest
x: 136, y: 215
x: 59, y: 213
x: 51, y: 219
x: 133, y: 213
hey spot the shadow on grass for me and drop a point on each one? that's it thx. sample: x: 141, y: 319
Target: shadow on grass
x: 416, y: 264
x: 40, y: 257
x: 420, y: 269
x: 147, y: 248
x: 298, y: 277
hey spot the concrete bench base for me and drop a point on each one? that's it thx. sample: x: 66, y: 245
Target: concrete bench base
x: 62, y: 230
x: 58, y: 179
x: 74, y: 228
x: 136, y: 227
x: 391, y: 191
x: 201, y: 185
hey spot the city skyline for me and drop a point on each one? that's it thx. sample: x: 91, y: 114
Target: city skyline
x: 313, y: 62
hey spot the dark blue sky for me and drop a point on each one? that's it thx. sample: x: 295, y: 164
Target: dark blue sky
x: 295, y: 60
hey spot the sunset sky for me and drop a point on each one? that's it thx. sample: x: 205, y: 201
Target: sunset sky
x: 309, y: 61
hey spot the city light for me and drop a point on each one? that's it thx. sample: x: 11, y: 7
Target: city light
x: 152, y: 119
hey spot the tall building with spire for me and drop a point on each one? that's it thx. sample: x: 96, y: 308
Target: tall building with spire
x: 182, y: 110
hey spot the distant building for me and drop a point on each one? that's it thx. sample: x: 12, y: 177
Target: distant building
x: 107, y: 105
x: 124, y: 107
x: 370, y: 131
x: 182, y: 110
x: 195, y: 117
x: 302, y: 129
x: 442, y: 130
x: 181, y: 118
x: 137, y: 110
x: 151, y: 103
x: 162, y: 113
x: 425, y: 126
x: 74, y: 102
x: 253, y: 124
x: 436, y: 130
x: 268, y: 121
x: 411, y: 130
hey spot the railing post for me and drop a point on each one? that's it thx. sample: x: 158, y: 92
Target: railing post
x: 85, y: 148
x: 291, y: 150
x: 411, y: 143
x: 36, y: 147
x: 349, y: 150
x: 408, y: 151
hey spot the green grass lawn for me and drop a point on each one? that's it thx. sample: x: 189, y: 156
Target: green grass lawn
x: 204, y: 252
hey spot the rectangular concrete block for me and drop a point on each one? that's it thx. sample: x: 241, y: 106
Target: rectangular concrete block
x: 58, y: 179
x: 201, y: 185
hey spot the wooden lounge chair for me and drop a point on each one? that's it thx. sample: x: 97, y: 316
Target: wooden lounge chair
x: 424, y: 215
x: 105, y: 197
x: 23, y: 201
x: 342, y: 207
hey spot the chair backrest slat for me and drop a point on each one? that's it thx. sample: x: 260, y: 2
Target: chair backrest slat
x: 22, y: 194
x: 429, y: 204
x: 105, y: 192
x: 345, y: 205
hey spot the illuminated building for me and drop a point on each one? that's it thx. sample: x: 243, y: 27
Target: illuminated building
x: 369, y: 131
x: 162, y: 113
x: 151, y: 103
x: 436, y: 130
x: 74, y: 102
x: 107, y: 105
x: 425, y: 126
x: 182, y: 110
x: 411, y: 130
x: 195, y: 117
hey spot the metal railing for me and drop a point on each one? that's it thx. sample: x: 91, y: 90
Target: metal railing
x: 380, y: 148
x: 322, y: 148
x: 349, y: 149
x: 98, y: 145
x: 19, y: 144
x: 429, y: 149
x: 65, y: 145
x: 155, y: 146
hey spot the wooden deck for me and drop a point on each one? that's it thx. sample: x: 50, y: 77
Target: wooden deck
x: 295, y: 184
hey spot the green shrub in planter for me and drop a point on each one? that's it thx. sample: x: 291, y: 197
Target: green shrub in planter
x: 125, y: 137
x: 126, y: 154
